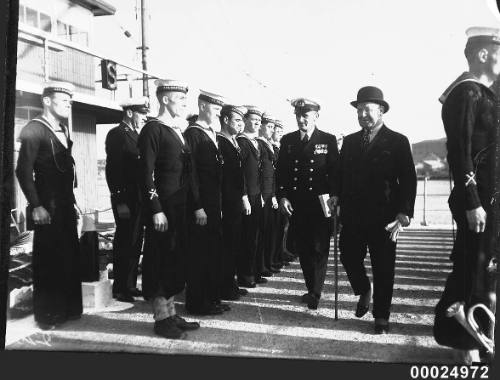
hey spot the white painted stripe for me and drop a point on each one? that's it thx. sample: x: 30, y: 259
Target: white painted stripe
x: 346, y: 283
x: 334, y: 333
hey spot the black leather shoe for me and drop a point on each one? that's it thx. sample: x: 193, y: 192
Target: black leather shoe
x: 242, y: 292
x: 223, y: 306
x: 124, y: 297
x: 211, y: 310
x: 305, y: 298
x: 46, y: 326
x: 167, y: 328
x: 288, y: 257
x: 381, y: 328
x: 184, y: 325
x: 246, y: 284
x: 134, y: 292
x: 313, y: 301
x: 230, y: 296
x: 261, y: 280
x: 266, y: 273
x: 361, y: 310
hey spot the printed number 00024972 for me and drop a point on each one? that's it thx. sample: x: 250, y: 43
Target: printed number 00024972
x: 449, y: 372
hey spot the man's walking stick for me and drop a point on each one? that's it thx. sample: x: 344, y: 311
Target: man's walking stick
x: 335, y: 260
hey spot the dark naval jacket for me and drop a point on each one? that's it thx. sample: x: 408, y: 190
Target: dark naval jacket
x: 45, y: 167
x: 165, y: 165
x: 378, y: 183
x: 268, y: 163
x: 251, y: 163
x: 469, y: 121
x: 232, y: 171
x: 304, y: 172
x: 207, y: 168
x: 123, y: 164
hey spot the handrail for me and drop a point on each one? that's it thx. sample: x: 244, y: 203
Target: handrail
x: 30, y: 31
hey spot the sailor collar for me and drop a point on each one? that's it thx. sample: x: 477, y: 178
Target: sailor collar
x: 267, y: 142
x: 464, y: 77
x: 232, y: 141
x: 209, y: 132
x: 46, y: 123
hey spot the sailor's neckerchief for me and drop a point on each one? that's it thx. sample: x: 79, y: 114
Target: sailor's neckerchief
x: 177, y: 124
x: 208, y: 131
x: 267, y: 142
x: 253, y: 141
x: 232, y: 141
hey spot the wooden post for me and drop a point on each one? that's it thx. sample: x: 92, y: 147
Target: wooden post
x: 424, y: 219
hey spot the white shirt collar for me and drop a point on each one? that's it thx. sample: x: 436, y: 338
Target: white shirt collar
x: 309, y: 134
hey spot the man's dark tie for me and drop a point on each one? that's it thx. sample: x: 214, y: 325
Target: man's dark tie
x: 366, y: 138
x: 305, y: 140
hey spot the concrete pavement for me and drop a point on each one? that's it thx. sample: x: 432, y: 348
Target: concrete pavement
x: 271, y: 321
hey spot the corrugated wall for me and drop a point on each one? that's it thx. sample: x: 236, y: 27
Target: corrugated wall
x: 85, y: 155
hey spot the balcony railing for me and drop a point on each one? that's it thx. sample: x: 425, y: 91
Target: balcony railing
x: 43, y: 56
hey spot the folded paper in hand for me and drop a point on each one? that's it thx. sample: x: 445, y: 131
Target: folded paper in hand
x: 323, y: 200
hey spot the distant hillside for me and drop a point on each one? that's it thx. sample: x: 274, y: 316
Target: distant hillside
x: 430, y: 158
x: 424, y: 149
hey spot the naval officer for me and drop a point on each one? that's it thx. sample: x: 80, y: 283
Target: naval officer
x: 122, y: 176
x: 306, y: 180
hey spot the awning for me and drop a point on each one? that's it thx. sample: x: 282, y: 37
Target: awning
x: 106, y: 111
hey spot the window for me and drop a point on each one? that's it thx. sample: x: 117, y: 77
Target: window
x: 62, y: 29
x: 21, y: 13
x: 45, y: 22
x: 78, y: 36
x: 31, y: 17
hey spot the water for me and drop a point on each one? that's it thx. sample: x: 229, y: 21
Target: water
x: 437, y: 211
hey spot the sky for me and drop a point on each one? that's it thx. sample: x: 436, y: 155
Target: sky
x: 263, y: 52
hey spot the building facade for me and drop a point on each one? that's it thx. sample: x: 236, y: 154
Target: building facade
x: 55, y: 42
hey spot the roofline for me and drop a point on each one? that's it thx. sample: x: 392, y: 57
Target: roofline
x: 97, y: 7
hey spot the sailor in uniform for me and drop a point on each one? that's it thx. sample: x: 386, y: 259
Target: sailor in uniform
x: 46, y: 173
x: 122, y: 176
x: 231, y: 121
x: 204, y: 210
x: 166, y: 180
x: 252, y: 198
x: 470, y: 122
x: 265, y: 260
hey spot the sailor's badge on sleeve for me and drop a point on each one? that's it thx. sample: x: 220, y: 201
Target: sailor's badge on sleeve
x: 289, y: 148
x: 320, y: 149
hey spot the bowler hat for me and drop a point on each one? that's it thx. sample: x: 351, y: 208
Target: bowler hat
x: 371, y: 94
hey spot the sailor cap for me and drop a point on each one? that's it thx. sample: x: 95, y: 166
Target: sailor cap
x: 56, y: 86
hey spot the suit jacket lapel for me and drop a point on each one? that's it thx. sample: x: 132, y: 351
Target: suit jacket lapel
x: 377, y: 141
x: 131, y: 134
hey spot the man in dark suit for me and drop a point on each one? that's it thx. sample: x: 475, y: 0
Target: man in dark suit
x: 122, y: 176
x: 166, y: 180
x: 252, y: 198
x: 231, y: 120
x: 204, y: 210
x: 377, y: 187
x: 306, y: 179
x: 470, y: 122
